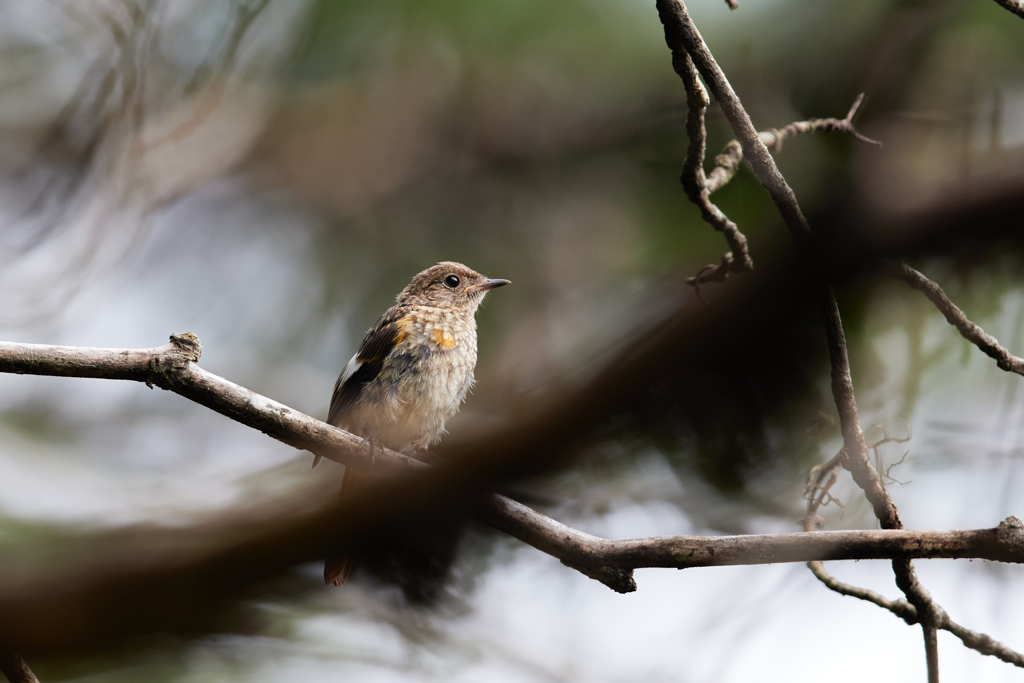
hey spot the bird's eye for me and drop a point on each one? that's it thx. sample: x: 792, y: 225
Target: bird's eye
x: 451, y: 282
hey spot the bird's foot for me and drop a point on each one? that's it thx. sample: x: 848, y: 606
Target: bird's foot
x: 373, y: 444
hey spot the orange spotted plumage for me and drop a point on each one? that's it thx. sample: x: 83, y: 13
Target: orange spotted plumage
x: 443, y: 339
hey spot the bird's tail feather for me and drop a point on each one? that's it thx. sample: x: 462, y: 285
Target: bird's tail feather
x: 339, y: 564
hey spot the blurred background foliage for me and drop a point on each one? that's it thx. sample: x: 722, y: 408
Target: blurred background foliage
x: 269, y: 174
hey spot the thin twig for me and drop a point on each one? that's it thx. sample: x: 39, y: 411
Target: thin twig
x: 875, y: 447
x: 692, y: 177
x: 855, y: 450
x: 931, y: 649
x: 822, y: 480
x: 859, y: 465
x: 682, y: 35
x: 984, y: 644
x: 699, y: 187
x: 773, y: 139
x: 728, y: 162
x: 955, y: 317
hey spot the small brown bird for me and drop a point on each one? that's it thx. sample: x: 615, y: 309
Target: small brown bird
x: 412, y: 371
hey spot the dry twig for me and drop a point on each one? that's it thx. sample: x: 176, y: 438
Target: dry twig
x: 955, y: 317
x: 820, y: 481
x: 728, y: 162
x: 908, y: 612
x: 857, y: 462
x: 699, y: 187
x: 682, y: 35
x: 737, y: 259
x: 300, y: 539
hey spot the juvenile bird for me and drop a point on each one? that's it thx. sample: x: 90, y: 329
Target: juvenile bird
x: 411, y: 372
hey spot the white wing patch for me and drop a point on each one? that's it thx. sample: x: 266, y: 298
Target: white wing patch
x: 350, y: 369
x: 346, y: 374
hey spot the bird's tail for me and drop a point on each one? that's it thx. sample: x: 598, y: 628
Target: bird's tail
x: 339, y: 564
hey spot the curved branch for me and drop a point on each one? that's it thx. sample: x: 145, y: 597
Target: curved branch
x: 818, y: 488
x: 955, y: 317
x: 694, y: 182
x: 1005, y: 543
x: 728, y: 162
x: 682, y: 36
x: 173, y: 367
x: 855, y: 459
x: 699, y: 187
x: 196, y: 567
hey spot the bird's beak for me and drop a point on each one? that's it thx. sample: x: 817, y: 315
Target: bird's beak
x: 487, y: 284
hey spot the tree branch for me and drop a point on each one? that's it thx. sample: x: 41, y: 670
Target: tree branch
x: 288, y: 540
x: 855, y: 450
x: 955, y: 317
x: 683, y: 37
x: 1005, y: 543
x: 855, y: 459
x: 173, y: 367
x: 694, y: 183
x: 699, y: 187
x: 728, y: 162
x: 818, y: 489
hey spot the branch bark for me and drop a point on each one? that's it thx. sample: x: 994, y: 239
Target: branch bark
x: 1004, y: 543
x: 694, y: 181
x: 955, y: 317
x: 818, y: 488
x: 281, y: 542
x: 682, y: 36
x: 173, y: 367
x: 855, y: 459
x: 727, y: 163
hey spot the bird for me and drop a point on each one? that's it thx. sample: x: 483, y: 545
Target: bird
x: 411, y: 372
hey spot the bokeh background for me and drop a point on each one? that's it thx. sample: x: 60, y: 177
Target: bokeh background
x: 269, y: 174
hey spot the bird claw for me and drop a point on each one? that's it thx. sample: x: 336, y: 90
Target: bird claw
x: 373, y: 444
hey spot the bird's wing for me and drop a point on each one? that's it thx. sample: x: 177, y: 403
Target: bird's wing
x: 383, y: 337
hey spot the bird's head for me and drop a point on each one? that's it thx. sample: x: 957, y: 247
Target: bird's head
x: 449, y: 285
